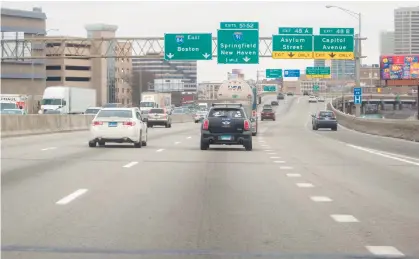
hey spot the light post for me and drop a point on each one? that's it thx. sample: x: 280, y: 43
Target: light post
x: 358, y: 53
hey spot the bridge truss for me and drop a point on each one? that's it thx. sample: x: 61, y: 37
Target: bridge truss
x: 81, y: 48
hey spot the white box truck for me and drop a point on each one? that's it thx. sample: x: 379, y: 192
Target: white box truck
x: 151, y: 100
x: 67, y: 100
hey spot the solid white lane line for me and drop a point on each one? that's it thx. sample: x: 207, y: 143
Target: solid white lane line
x: 293, y: 175
x: 130, y: 164
x: 48, y: 148
x: 71, y: 196
x: 386, y: 251
x: 177, y: 143
x: 344, y: 218
x: 274, y: 157
x: 279, y: 162
x: 159, y: 150
x: 375, y: 152
x: 305, y: 185
x: 320, y: 199
x: 285, y: 167
x: 189, y: 137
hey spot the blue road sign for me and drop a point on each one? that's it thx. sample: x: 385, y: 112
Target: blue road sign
x: 357, y: 95
x: 292, y: 73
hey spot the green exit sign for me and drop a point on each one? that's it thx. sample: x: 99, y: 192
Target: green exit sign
x: 188, y: 46
x: 238, y: 46
x: 316, y: 88
x: 269, y: 88
x: 318, y: 71
x: 295, y: 30
x: 239, y: 25
x: 273, y: 73
x: 337, y: 31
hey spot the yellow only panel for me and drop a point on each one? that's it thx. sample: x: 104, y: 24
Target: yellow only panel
x: 318, y: 76
x: 291, y: 55
x: 334, y: 55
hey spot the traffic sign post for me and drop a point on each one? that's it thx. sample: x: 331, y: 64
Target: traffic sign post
x: 318, y: 72
x: 292, y: 73
x: 292, y: 46
x: 238, y: 47
x: 273, y: 73
x: 188, y: 46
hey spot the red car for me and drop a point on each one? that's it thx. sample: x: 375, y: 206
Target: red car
x: 267, y: 114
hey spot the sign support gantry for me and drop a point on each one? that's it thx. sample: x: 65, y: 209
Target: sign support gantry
x: 80, y: 48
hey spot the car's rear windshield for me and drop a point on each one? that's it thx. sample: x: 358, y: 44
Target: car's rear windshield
x: 267, y: 110
x: 326, y: 114
x: 226, y: 113
x: 156, y: 111
x: 115, y: 113
x: 144, y: 112
x: 92, y: 111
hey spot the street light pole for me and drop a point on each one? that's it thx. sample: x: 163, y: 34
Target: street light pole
x: 358, y: 53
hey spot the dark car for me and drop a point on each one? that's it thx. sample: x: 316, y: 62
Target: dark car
x: 290, y: 94
x: 226, y: 124
x: 305, y: 93
x: 280, y: 96
x: 324, y: 119
x: 274, y: 103
x: 267, y: 114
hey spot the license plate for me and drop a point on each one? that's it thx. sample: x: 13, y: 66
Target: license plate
x: 225, y: 137
x: 112, y: 124
x: 327, y: 118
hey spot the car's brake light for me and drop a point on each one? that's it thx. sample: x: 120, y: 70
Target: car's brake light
x: 205, y: 125
x: 128, y: 123
x: 246, y: 125
x: 97, y: 123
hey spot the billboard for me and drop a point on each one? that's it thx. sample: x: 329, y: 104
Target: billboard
x: 399, y: 67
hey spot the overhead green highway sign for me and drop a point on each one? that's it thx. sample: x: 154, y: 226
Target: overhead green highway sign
x: 334, y: 47
x: 292, y: 46
x: 273, y: 73
x: 238, y: 46
x: 295, y: 30
x: 188, y: 46
x: 337, y: 31
x: 239, y: 25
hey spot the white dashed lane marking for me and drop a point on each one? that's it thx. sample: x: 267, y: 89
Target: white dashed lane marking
x: 385, y: 251
x: 305, y: 185
x: 48, y: 148
x: 159, y: 150
x: 294, y: 175
x: 279, y: 162
x: 72, y: 196
x: 189, y: 137
x: 344, y: 218
x: 177, y: 143
x: 320, y: 199
x: 271, y: 153
x: 275, y: 157
x: 130, y: 164
x: 285, y: 167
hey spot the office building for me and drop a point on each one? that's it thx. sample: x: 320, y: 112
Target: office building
x: 370, y: 75
x: 386, y: 42
x: 208, y: 90
x: 342, y: 69
x: 406, y: 30
x: 181, y: 74
x: 319, y: 63
x: 308, y: 85
x: 23, y: 75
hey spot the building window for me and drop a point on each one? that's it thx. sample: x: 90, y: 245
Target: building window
x: 54, y: 78
x: 53, y: 67
x: 123, y: 89
x: 79, y: 68
x: 77, y: 79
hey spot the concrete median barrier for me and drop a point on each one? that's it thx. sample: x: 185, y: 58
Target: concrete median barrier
x: 403, y: 129
x: 20, y: 125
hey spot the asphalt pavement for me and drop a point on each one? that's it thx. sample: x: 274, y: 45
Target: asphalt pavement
x: 299, y: 194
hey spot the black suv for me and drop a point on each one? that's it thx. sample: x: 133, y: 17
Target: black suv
x: 280, y: 96
x: 227, y: 124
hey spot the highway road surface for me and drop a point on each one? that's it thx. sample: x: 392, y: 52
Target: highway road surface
x: 299, y: 194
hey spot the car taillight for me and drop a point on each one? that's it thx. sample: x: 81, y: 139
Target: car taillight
x: 128, y: 123
x: 97, y: 123
x: 246, y: 125
x: 205, y: 125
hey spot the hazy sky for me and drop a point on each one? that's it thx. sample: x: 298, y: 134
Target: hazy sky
x: 142, y: 19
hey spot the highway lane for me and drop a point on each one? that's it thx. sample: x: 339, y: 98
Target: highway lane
x: 172, y: 200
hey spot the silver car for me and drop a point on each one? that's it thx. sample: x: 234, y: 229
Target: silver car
x: 159, y: 116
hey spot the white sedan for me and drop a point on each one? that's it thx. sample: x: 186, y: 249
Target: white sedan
x: 312, y: 99
x: 118, y: 125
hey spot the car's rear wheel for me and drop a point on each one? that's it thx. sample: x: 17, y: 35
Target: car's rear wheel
x: 101, y: 143
x: 335, y: 128
x: 204, y: 145
x: 139, y: 144
x: 167, y: 125
x: 254, y: 133
x: 248, y: 145
x: 92, y: 143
